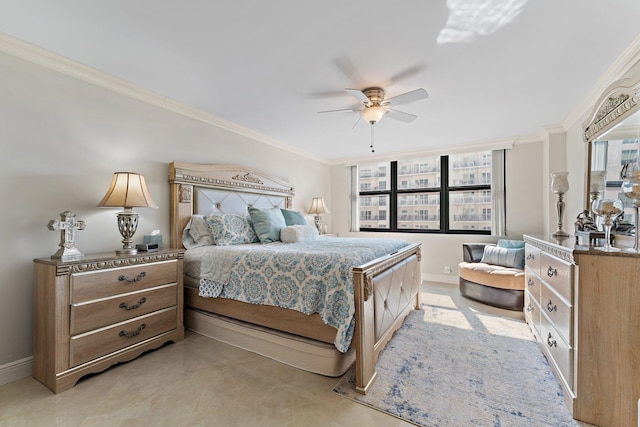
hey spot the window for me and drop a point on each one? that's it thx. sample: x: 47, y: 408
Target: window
x: 610, y: 156
x: 447, y: 194
x: 628, y: 156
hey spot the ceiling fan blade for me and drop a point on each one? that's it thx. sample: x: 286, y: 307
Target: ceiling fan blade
x: 406, y: 73
x: 359, y: 95
x: 350, y: 71
x: 357, y: 123
x: 326, y: 94
x: 405, y: 98
x: 401, y: 115
x: 342, y: 110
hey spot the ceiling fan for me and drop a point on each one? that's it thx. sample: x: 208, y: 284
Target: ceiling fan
x: 375, y: 106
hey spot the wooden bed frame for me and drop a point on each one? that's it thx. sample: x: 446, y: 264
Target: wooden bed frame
x: 385, y: 290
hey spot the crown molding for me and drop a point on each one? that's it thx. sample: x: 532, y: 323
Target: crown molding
x: 493, y: 144
x: 529, y: 139
x: 39, y: 56
x: 552, y: 130
x: 629, y: 58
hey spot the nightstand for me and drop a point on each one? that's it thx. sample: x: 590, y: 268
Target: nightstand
x: 101, y: 310
x: 330, y: 235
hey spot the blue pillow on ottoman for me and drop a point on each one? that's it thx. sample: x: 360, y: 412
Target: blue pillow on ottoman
x: 514, y: 244
x: 506, y: 257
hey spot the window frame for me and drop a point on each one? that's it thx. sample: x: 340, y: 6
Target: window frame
x: 444, y: 194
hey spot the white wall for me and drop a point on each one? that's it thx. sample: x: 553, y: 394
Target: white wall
x: 61, y: 140
x: 524, y: 196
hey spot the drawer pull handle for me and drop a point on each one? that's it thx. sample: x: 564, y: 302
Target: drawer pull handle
x: 551, y: 342
x: 139, y: 277
x: 552, y: 272
x: 134, y: 306
x: 134, y: 333
x: 530, y: 281
x: 531, y: 256
x: 529, y: 308
x: 551, y: 307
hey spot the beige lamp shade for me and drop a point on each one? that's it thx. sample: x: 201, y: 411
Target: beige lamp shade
x: 318, y: 207
x: 127, y: 190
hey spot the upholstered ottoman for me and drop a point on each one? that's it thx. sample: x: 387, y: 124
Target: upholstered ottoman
x: 489, y: 282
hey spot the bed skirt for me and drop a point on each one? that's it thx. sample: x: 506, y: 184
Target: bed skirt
x: 303, y: 353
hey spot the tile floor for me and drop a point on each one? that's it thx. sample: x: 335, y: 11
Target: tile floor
x: 201, y: 382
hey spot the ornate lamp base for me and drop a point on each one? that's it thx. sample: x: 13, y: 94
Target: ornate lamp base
x: 317, y: 220
x: 127, y: 225
x: 560, y: 233
x: 560, y: 210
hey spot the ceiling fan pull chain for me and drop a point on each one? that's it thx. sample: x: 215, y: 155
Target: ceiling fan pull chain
x: 371, y: 146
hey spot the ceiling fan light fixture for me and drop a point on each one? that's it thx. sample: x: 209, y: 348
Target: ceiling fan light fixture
x: 373, y: 114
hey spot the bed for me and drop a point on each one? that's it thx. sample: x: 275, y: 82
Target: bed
x: 383, y: 290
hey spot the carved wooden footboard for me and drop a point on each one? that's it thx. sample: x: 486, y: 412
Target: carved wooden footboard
x: 385, y: 291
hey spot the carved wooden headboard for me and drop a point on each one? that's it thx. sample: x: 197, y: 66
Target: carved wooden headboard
x: 206, y: 189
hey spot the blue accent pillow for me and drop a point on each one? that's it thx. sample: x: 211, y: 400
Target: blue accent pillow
x: 506, y: 257
x: 267, y: 223
x: 514, y: 244
x: 229, y: 229
x: 293, y: 217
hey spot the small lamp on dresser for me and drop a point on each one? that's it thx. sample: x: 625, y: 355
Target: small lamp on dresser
x: 560, y: 185
x: 318, y: 208
x: 127, y: 190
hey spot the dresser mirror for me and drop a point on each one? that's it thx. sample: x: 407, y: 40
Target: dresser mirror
x: 613, y: 135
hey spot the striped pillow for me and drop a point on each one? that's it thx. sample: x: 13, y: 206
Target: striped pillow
x: 506, y: 257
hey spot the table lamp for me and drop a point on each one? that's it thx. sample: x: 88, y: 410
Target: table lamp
x: 318, y: 208
x: 127, y: 190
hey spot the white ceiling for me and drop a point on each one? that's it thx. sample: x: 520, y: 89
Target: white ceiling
x: 503, y: 69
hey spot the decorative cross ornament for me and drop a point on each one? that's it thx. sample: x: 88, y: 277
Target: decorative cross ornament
x: 67, y: 226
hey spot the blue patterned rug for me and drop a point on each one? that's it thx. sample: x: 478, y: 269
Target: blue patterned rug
x: 451, y: 367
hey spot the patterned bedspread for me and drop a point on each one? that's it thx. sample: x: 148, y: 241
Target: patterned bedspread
x: 311, y: 277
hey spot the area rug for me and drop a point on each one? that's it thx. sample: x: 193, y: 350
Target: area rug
x: 452, y: 367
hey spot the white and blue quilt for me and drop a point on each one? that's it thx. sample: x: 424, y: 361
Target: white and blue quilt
x: 310, y: 277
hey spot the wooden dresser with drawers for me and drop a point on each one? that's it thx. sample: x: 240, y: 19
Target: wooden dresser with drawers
x: 104, y: 309
x: 583, y: 306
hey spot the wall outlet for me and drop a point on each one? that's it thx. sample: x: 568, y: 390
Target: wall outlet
x: 447, y: 269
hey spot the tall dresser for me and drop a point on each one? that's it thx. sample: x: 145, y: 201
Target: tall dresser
x: 583, y: 306
x: 104, y: 309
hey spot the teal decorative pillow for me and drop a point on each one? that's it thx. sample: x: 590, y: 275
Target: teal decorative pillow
x: 293, y: 217
x: 230, y: 229
x: 514, y: 244
x: 506, y: 257
x: 267, y: 223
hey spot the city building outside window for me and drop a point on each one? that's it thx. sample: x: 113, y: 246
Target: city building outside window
x: 439, y: 194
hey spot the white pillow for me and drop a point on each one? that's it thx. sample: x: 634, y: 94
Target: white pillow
x: 196, y: 233
x: 298, y: 233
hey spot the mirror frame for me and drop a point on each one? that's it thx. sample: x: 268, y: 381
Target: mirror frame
x: 620, y: 100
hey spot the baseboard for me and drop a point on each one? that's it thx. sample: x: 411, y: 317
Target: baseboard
x: 441, y: 278
x: 15, y: 371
